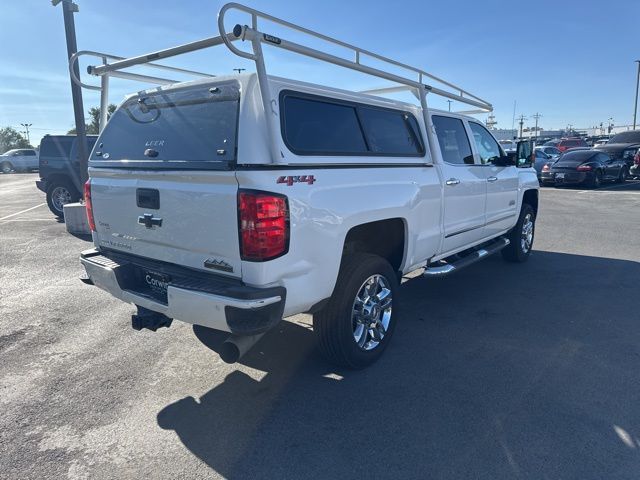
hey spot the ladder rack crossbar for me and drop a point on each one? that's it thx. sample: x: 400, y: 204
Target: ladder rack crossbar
x: 162, y: 54
x: 114, y: 72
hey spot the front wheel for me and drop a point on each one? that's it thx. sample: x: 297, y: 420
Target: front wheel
x: 356, y: 325
x: 521, y: 236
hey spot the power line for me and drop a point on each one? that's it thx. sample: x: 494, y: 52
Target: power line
x: 537, y: 116
x: 521, y: 120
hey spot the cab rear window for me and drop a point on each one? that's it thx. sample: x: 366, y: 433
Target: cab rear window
x: 188, y: 128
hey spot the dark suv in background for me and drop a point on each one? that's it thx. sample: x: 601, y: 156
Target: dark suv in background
x: 623, y: 146
x: 59, y: 170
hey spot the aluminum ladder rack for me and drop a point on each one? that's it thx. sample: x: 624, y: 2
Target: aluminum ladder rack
x: 414, y: 81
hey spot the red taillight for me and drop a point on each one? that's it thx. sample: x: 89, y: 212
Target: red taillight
x: 88, y: 205
x: 584, y: 168
x: 636, y: 158
x: 264, y: 225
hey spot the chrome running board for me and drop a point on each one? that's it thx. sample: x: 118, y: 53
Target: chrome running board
x: 456, y: 262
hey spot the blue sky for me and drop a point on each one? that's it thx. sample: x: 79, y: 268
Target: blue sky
x: 572, y: 61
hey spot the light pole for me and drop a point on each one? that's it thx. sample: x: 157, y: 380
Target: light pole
x: 68, y: 9
x: 26, y: 128
x: 635, y: 104
x: 239, y: 70
x: 449, y: 104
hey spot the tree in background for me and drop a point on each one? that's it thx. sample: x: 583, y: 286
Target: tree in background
x: 93, y: 127
x: 10, y: 138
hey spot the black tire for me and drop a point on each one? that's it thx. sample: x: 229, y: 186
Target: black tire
x: 597, y: 180
x: 6, y: 167
x: 335, y: 326
x: 624, y: 173
x: 59, y: 193
x: 518, y: 250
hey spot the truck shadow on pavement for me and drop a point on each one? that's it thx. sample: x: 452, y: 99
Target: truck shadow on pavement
x: 501, y: 371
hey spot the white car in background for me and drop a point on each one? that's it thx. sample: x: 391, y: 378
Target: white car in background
x: 508, y: 145
x: 19, y: 160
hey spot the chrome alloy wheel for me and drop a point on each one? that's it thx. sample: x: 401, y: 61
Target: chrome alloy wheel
x: 60, y: 196
x: 527, y: 233
x: 371, y: 312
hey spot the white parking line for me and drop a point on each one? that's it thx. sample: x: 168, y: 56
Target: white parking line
x: 599, y: 190
x: 23, y: 211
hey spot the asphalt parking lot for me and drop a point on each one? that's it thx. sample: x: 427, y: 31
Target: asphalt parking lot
x: 501, y: 371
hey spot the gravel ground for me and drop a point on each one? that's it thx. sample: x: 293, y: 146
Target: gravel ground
x: 501, y: 371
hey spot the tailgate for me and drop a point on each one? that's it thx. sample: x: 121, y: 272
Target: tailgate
x: 162, y: 179
x: 185, y: 218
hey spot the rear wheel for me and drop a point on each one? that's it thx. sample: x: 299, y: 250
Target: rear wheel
x: 521, y: 236
x: 6, y: 167
x: 59, y: 193
x: 597, y: 180
x: 357, y: 324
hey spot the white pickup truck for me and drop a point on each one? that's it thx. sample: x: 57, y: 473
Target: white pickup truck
x: 207, y: 207
x: 19, y: 160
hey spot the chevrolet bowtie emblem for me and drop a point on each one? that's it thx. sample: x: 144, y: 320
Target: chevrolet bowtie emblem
x: 149, y: 221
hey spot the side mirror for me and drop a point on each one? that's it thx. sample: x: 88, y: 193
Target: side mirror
x: 505, y: 161
x: 524, y: 157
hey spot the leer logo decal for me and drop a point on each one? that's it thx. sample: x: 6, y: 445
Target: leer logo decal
x: 290, y: 180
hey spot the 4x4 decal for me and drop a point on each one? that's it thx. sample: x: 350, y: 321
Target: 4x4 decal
x: 291, y: 179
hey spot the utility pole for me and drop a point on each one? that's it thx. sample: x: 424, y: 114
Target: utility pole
x: 521, y: 120
x: 449, y: 104
x: 239, y: 70
x: 635, y: 104
x: 68, y: 9
x: 537, y: 116
x: 26, y: 129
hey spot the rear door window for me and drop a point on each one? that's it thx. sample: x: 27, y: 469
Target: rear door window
x: 194, y: 127
x: 454, y: 142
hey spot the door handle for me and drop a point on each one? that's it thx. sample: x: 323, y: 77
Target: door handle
x: 452, y: 181
x: 492, y: 179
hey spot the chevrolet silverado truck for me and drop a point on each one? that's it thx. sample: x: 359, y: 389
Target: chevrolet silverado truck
x: 235, y: 201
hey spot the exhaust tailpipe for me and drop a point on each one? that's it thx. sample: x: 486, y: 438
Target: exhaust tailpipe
x: 236, y: 346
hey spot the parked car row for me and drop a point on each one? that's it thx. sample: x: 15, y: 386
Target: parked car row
x: 614, y: 161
